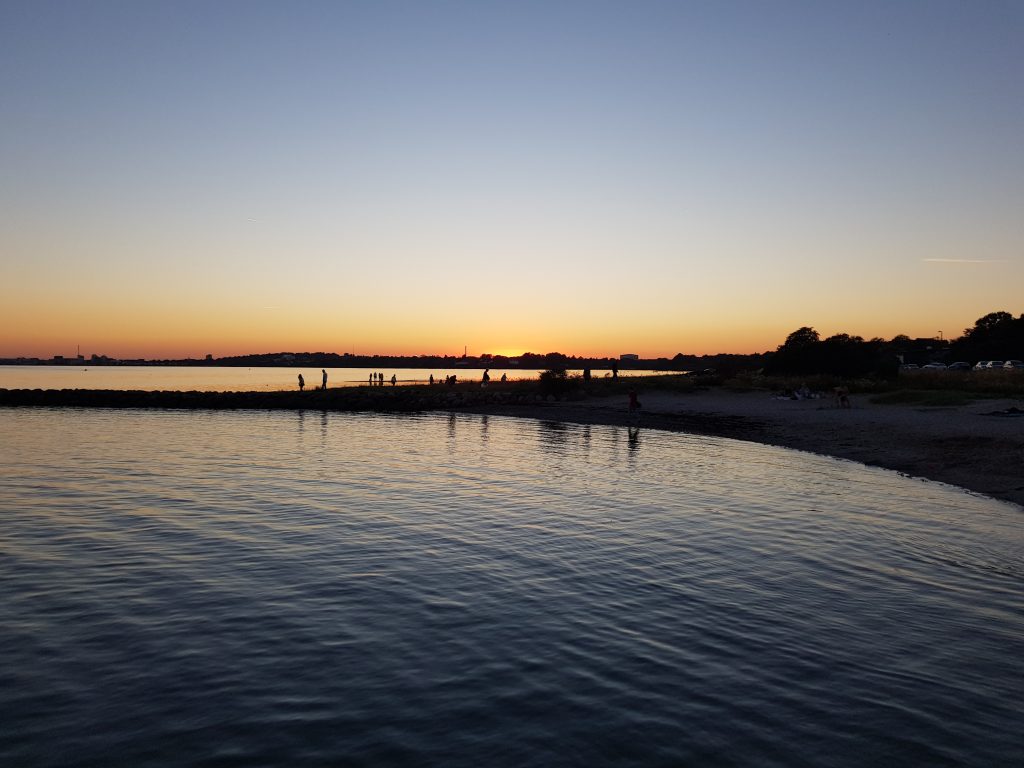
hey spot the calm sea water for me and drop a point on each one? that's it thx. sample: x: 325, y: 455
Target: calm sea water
x: 259, y: 589
x: 231, y: 379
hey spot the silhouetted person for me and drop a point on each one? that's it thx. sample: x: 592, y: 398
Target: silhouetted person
x: 394, y: 379
x: 504, y: 377
x: 372, y: 377
x: 302, y: 383
x: 486, y: 379
x: 324, y: 385
x: 842, y: 396
x: 431, y: 379
x: 380, y: 378
x: 586, y: 374
x: 634, y: 406
x: 615, y: 370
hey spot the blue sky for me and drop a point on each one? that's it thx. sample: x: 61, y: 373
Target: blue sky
x: 409, y: 177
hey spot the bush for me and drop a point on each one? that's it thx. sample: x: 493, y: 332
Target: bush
x: 554, y: 381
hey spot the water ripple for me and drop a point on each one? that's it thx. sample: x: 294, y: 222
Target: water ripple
x: 274, y: 588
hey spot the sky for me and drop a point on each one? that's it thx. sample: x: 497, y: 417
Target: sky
x: 595, y: 178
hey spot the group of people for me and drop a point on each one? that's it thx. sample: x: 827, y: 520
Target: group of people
x: 302, y: 381
x: 453, y: 379
x: 377, y: 379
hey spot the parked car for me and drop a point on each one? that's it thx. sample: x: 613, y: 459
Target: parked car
x: 1013, y: 365
x: 933, y: 367
x: 994, y: 365
x: 910, y: 367
x: 981, y: 365
x: 959, y: 366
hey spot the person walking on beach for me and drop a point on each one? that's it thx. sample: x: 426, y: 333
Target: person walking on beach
x: 615, y: 370
x: 371, y: 378
x: 380, y: 378
x: 486, y: 379
x: 302, y: 383
x: 394, y: 379
x: 431, y: 379
x: 324, y: 372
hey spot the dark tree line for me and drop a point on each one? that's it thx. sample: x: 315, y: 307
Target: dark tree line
x: 996, y: 336
x: 804, y: 354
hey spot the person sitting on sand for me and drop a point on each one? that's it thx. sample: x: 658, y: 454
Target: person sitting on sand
x: 302, y: 383
x: 504, y: 377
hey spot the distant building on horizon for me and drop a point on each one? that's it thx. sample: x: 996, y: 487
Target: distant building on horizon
x: 629, y: 356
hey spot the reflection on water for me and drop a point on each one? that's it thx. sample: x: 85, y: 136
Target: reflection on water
x: 317, y: 588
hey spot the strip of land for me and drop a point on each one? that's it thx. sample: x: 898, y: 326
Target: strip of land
x: 978, y: 446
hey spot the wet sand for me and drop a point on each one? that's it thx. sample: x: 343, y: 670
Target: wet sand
x: 963, y: 445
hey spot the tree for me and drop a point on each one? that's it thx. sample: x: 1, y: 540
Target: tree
x: 801, y: 338
x: 996, y: 336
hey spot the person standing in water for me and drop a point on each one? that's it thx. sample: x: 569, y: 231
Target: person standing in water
x: 324, y: 372
x: 394, y: 379
x: 302, y: 383
x: 634, y: 407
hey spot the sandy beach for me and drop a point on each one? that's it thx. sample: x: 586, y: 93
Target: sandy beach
x: 966, y: 446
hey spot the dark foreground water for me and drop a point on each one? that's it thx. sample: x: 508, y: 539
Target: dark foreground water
x: 333, y: 589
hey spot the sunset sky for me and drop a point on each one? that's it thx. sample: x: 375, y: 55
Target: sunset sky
x: 184, y: 178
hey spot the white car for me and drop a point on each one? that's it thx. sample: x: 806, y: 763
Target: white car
x: 981, y: 365
x: 994, y: 365
x: 1013, y: 365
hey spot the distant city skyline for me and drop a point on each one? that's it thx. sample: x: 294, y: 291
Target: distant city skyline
x: 183, y: 179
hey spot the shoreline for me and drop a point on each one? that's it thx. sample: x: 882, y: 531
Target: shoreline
x: 968, y: 446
